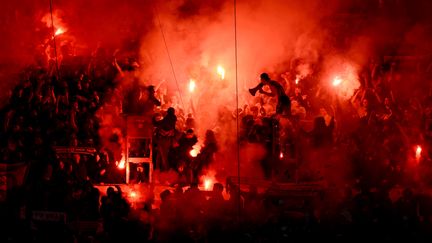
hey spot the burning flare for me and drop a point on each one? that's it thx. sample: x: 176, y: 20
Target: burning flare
x: 343, y: 79
x: 221, y: 72
x: 281, y: 155
x: 56, y: 20
x: 418, y: 152
x: 207, y: 184
x: 195, y: 151
x: 59, y: 31
x: 337, y: 81
x: 192, y: 85
x: 121, y: 165
x: 297, y: 80
x: 208, y: 180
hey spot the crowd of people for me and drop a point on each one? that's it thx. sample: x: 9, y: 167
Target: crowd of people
x: 381, y: 137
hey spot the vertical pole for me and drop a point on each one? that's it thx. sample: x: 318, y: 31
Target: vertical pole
x: 126, y: 150
x: 237, y: 110
x: 54, y: 40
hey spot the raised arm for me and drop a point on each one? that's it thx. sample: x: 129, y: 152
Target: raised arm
x: 377, y: 96
x: 118, y: 67
x: 353, y: 99
x: 287, y: 82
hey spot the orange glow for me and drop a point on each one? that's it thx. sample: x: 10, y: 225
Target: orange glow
x: 192, y: 85
x: 343, y: 79
x: 337, y: 81
x: 208, y: 180
x: 297, y: 80
x: 207, y: 184
x: 418, y: 152
x: 195, y: 151
x: 122, y: 164
x: 59, y: 31
x: 221, y: 72
x: 132, y: 194
x: 57, y: 21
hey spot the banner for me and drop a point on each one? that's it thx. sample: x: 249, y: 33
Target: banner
x: 75, y: 150
x: 49, y: 216
x: 11, y: 175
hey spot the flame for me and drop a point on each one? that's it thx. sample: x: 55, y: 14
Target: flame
x: 132, y: 194
x: 209, y: 180
x: 336, y: 81
x: 207, y: 184
x: 297, y: 79
x: 59, y: 31
x: 195, y: 151
x: 192, y: 85
x: 57, y: 21
x: 344, y: 79
x: 281, y: 155
x: 418, y: 152
x: 122, y: 163
x: 221, y: 72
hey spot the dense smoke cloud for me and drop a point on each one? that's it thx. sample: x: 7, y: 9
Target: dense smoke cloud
x: 272, y: 36
x: 114, y: 24
x: 199, y: 37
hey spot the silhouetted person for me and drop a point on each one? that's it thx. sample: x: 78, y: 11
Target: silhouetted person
x: 205, y: 157
x: 165, y: 137
x: 283, y: 106
x: 149, y: 100
x: 181, y: 157
x: 322, y: 134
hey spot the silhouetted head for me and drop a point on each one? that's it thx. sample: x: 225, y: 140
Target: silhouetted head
x: 171, y: 111
x: 110, y: 191
x: 165, y: 194
x: 218, y: 187
x: 189, y: 133
x: 319, y: 123
x: 264, y: 77
x: 151, y: 89
x: 194, y: 185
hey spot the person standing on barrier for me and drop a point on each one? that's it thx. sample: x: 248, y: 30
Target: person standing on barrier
x: 165, y: 137
x: 283, y: 106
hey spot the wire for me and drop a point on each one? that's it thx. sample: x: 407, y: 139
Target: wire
x: 237, y: 107
x: 54, y: 40
x: 169, y: 56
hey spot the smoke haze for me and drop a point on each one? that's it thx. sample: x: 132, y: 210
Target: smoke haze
x: 179, y: 40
